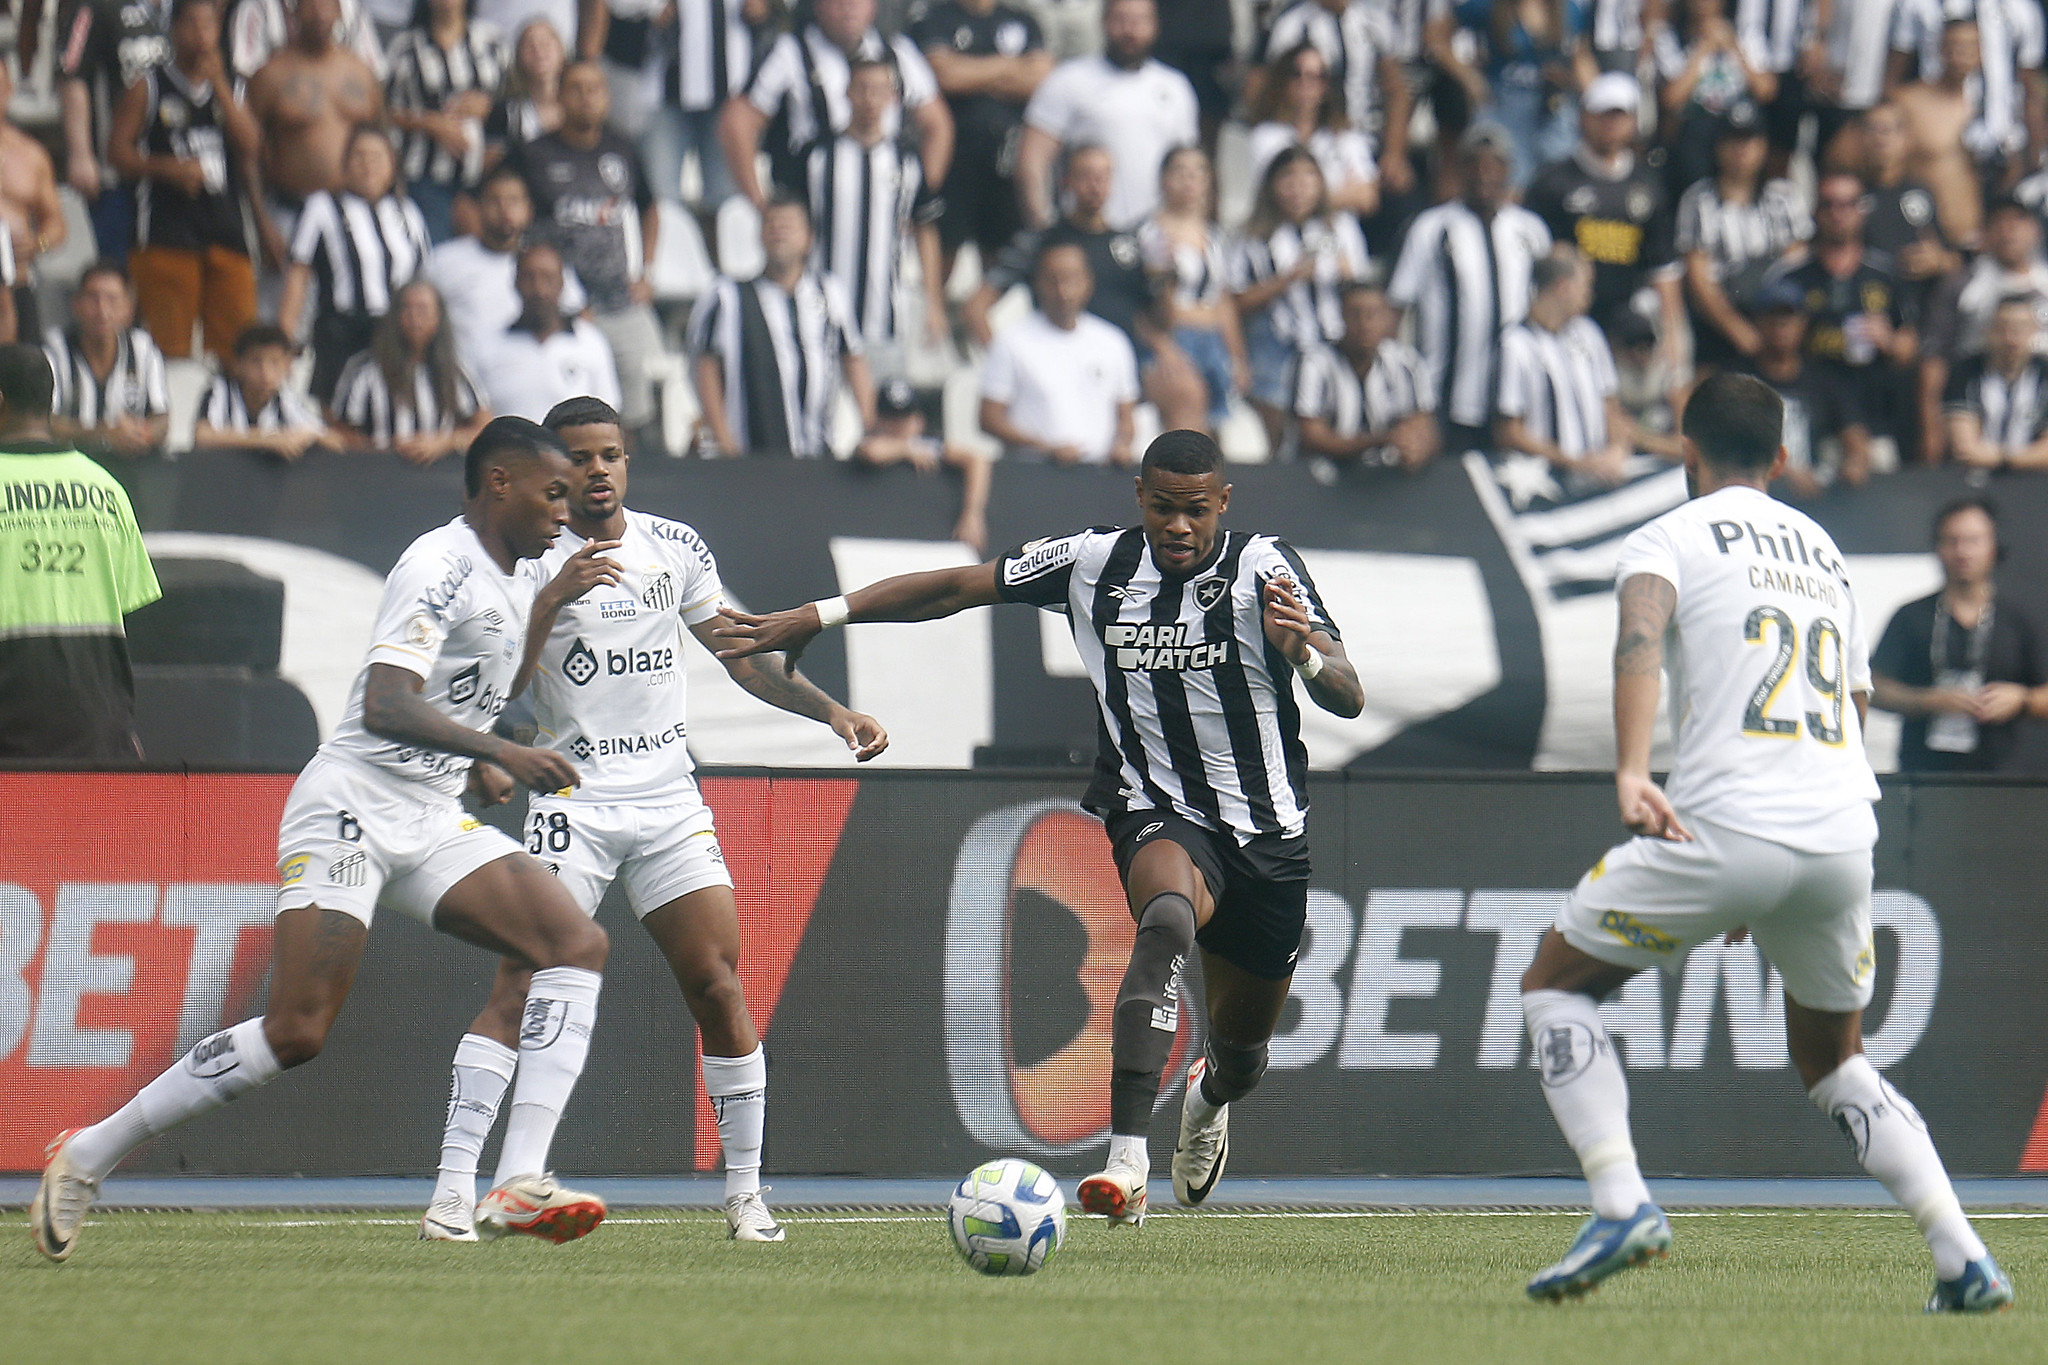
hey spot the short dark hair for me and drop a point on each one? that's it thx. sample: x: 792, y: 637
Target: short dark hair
x: 505, y: 440
x: 1554, y: 268
x: 504, y: 170
x: 27, y: 383
x: 178, y: 7
x: 1737, y: 421
x: 257, y: 335
x: 870, y: 64
x: 783, y: 199
x: 581, y: 412
x: 1181, y: 452
x: 111, y: 269
x: 1969, y: 502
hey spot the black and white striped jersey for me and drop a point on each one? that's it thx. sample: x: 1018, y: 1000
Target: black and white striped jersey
x: 1466, y: 279
x: 361, y: 253
x: 2014, y: 412
x: 1351, y: 40
x: 1739, y: 237
x: 866, y: 205
x: 227, y: 409
x: 1558, y: 383
x: 134, y: 387
x: 363, y: 399
x: 1311, y: 311
x: 1771, y: 31
x: 424, y: 77
x: 1197, y: 714
x: 780, y: 354
x: 714, y: 53
x: 1329, y: 387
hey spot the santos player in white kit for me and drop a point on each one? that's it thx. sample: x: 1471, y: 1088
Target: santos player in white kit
x: 605, y: 659
x: 375, y: 821
x: 1767, y: 829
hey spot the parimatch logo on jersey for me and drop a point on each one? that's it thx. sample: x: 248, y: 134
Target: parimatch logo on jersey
x: 579, y: 666
x: 1152, y: 648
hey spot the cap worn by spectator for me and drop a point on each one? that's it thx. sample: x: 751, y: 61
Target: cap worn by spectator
x: 1779, y: 296
x: 896, y: 399
x: 1487, y: 136
x: 1612, y: 93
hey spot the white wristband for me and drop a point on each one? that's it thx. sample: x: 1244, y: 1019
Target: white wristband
x: 1314, y: 665
x: 832, y: 611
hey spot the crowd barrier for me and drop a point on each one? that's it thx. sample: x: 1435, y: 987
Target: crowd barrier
x: 932, y: 958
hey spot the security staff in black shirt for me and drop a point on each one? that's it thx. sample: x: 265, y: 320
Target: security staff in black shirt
x: 989, y: 58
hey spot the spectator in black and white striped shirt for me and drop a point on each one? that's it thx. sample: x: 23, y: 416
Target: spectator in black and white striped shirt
x: 1369, y: 397
x: 1557, y: 380
x: 1731, y: 230
x: 445, y: 74
x: 358, y: 245
x: 867, y: 195
x: 767, y: 354
x: 408, y: 393
x: 111, y: 394
x: 1997, y: 402
x: 251, y: 407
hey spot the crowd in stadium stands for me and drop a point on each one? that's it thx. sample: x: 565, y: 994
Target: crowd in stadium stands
x: 1377, y: 231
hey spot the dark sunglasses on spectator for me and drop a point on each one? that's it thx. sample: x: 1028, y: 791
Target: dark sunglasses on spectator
x: 1309, y: 73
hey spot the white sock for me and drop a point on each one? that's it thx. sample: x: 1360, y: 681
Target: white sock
x: 1198, y: 1105
x: 483, y: 1068
x: 1588, y: 1096
x: 554, y: 1040
x: 219, y: 1068
x: 738, y: 1087
x: 1891, y: 1141
x: 1125, y: 1150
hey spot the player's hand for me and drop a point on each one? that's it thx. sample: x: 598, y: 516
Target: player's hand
x: 1397, y: 173
x: 863, y: 734
x: 581, y: 572
x: 1064, y: 455
x: 1609, y: 466
x: 972, y: 531
x: 291, y: 442
x: 188, y: 176
x: 82, y: 170
x: 1287, y: 622
x: 1999, y: 702
x: 489, y: 784
x: 788, y: 631
x: 542, y: 770
x: 1647, y: 811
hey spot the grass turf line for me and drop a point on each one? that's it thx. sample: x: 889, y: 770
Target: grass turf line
x: 226, y: 1288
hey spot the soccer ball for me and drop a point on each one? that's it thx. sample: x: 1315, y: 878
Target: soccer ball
x: 1008, y: 1218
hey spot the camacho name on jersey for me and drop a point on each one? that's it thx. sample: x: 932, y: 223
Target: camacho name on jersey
x: 611, y: 690
x: 1197, y: 709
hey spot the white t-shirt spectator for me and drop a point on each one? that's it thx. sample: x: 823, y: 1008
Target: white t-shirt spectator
x: 524, y: 376
x: 1063, y: 388
x: 1984, y: 287
x: 478, y: 297
x: 510, y: 17
x: 1138, y: 115
x: 1344, y: 154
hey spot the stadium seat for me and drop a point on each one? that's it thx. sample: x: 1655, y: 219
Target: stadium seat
x: 739, y: 239
x: 682, y: 267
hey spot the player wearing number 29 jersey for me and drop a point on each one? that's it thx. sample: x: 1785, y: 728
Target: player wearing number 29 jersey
x: 1765, y: 832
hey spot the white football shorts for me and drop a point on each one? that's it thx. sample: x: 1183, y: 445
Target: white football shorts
x: 660, y: 852
x: 1649, y: 902
x: 353, y: 838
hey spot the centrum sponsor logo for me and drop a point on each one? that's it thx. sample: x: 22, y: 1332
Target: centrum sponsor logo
x: 1038, y: 556
x: 1629, y: 929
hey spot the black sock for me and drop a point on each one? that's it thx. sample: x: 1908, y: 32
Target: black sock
x: 1148, y: 1011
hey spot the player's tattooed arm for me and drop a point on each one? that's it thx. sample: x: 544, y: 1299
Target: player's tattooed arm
x: 1291, y: 630
x: 769, y: 679
x: 1647, y: 603
x: 906, y: 597
x: 580, y: 573
x: 394, y: 709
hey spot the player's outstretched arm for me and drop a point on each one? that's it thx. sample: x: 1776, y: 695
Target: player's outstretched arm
x: 906, y: 597
x: 393, y: 709
x: 1325, y: 668
x: 1647, y: 602
x: 790, y: 691
x: 579, y: 573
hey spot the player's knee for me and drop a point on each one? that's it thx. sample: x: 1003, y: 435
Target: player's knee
x: 1169, y: 917
x: 582, y: 943
x: 1232, y: 1071
x: 714, y: 994
x: 295, y: 1038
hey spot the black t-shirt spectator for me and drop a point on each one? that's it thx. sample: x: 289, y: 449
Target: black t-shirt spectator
x: 1831, y: 340
x: 1123, y: 288
x: 1820, y: 404
x: 1624, y: 227
x: 108, y: 44
x: 588, y: 202
x: 1901, y: 215
x: 2012, y: 653
x: 983, y: 124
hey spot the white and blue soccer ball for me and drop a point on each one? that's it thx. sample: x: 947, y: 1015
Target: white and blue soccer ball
x: 1008, y: 1218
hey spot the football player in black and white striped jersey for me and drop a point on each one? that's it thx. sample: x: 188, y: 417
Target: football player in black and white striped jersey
x: 1189, y: 633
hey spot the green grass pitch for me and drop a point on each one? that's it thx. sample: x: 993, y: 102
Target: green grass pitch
x: 1441, y: 1289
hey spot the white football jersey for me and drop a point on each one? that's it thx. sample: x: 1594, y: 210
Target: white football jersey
x: 451, y: 617
x: 1763, y: 653
x: 610, y: 692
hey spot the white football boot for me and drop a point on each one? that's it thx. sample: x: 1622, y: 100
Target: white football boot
x: 1199, y: 1155
x: 1117, y: 1193
x: 61, y: 1201
x: 450, y: 1218
x: 747, y: 1216
x: 538, y: 1206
